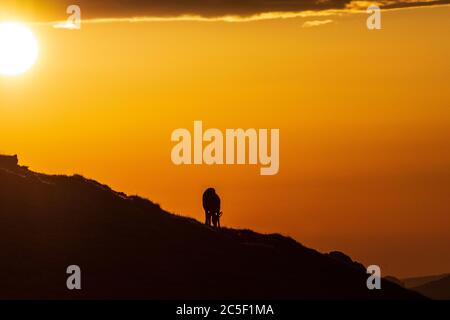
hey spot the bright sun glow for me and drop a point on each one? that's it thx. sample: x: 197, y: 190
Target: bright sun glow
x: 18, y: 48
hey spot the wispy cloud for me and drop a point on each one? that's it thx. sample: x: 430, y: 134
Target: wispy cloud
x: 316, y: 23
x: 229, y: 18
x: 65, y: 25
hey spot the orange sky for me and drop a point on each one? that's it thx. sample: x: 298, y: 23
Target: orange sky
x: 364, y: 118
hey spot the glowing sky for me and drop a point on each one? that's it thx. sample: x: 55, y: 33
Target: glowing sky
x: 364, y: 118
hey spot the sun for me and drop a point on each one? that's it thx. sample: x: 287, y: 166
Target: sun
x: 18, y: 48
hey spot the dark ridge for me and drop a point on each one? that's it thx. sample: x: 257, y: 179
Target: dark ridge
x: 128, y: 247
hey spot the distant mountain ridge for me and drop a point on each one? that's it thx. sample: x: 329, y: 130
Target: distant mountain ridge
x: 435, y: 287
x: 129, y: 248
x: 438, y: 289
x: 413, y: 282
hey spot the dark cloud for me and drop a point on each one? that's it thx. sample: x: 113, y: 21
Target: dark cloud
x: 411, y: 3
x: 55, y: 9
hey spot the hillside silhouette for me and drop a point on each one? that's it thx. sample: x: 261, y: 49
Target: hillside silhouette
x: 128, y: 247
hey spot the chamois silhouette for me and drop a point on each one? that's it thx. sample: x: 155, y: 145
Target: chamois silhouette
x: 211, y: 205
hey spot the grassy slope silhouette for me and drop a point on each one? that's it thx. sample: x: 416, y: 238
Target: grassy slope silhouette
x: 128, y: 247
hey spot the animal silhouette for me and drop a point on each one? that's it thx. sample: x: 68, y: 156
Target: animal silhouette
x: 211, y: 205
